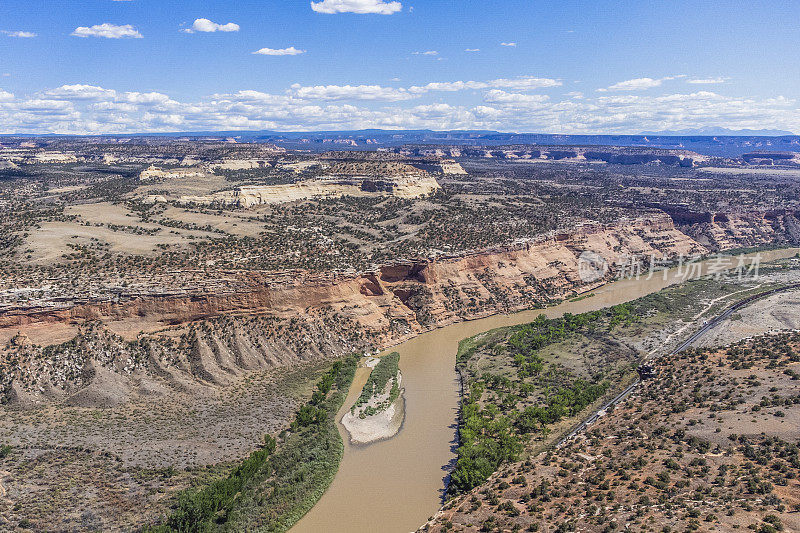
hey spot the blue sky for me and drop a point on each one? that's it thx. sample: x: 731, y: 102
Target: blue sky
x: 515, y: 65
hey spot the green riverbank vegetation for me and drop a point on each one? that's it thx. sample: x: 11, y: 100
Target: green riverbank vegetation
x: 380, y: 377
x: 279, y: 482
x: 514, y: 390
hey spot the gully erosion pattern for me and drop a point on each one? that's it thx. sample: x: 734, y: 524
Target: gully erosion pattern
x: 395, y: 485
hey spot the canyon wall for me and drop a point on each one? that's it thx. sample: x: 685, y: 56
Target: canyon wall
x: 209, y: 339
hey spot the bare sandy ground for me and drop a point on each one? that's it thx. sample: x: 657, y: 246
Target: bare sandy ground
x: 380, y: 426
x: 779, y: 312
x: 228, y: 222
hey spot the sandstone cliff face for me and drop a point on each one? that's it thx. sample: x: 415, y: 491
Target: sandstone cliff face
x: 412, y: 186
x: 725, y: 232
x: 213, y: 339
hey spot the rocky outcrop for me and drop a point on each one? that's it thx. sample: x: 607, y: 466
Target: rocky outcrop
x: 723, y: 231
x: 450, y: 166
x: 459, y: 286
x: 154, y: 173
x: 771, y: 158
x: 100, y: 369
x: 412, y: 186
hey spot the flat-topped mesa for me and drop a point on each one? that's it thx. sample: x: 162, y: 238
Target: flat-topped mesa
x: 154, y: 173
x: 628, y: 155
x: 450, y: 166
x: 239, y: 164
x: 772, y: 158
x: 402, y: 186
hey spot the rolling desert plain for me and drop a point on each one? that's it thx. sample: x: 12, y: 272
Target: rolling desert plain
x: 206, y: 333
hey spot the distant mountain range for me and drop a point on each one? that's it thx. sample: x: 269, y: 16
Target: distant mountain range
x: 711, y: 141
x: 718, y: 132
x: 710, y: 131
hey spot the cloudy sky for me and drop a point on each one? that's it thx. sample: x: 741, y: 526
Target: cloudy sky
x: 562, y: 66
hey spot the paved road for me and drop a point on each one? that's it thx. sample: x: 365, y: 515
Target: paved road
x: 707, y: 326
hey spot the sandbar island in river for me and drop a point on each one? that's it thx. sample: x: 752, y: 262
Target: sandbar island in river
x: 379, y: 411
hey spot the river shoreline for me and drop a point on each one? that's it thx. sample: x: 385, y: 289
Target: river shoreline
x: 589, y: 290
x: 402, y: 479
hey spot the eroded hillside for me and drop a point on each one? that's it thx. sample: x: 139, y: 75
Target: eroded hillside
x: 270, y: 321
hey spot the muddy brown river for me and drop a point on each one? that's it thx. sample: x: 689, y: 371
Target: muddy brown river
x: 395, y: 485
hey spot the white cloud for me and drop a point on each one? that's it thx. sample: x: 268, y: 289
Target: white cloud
x: 253, y: 97
x: 107, y: 31
x: 378, y: 7
x: 206, y: 26
x: 80, y: 92
x: 448, y: 86
x: 84, y: 108
x: 19, y: 34
x: 639, y: 84
x: 44, y: 106
x: 291, y: 51
x: 430, y: 110
x: 115, y: 106
x: 523, y: 83
x: 498, y: 96
x: 707, y: 81
x: 151, y: 98
x: 472, y: 49
x: 392, y: 94
x: 351, y: 92
x: 512, y: 44
x: 426, y: 53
